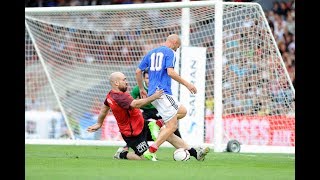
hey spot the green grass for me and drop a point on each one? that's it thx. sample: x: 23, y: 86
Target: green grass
x: 62, y: 162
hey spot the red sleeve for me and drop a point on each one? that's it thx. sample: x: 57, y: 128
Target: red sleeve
x: 106, y: 102
x: 122, y: 99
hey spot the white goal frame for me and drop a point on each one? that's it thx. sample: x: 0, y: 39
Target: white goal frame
x: 218, y: 54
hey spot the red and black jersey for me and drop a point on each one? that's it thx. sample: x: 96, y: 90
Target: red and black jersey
x: 129, y: 120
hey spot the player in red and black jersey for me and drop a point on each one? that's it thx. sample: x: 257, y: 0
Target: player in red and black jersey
x: 130, y: 121
x: 128, y: 115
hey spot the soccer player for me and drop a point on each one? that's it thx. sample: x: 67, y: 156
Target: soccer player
x: 160, y: 63
x: 149, y: 112
x: 130, y: 121
x: 128, y: 115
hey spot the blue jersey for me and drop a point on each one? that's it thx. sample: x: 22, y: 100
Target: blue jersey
x: 157, y: 61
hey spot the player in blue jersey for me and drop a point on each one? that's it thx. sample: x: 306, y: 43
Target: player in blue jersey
x: 160, y: 63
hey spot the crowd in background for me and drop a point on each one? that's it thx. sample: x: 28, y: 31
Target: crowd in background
x: 281, y: 21
x: 281, y: 18
x: 51, y: 3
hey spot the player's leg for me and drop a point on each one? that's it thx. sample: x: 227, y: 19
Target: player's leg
x: 122, y: 152
x: 149, y: 134
x: 154, y: 130
x: 153, y: 113
x: 150, y: 116
x: 199, y: 153
x: 169, y: 109
x: 138, y: 144
x: 171, y: 127
x: 126, y: 147
x: 176, y: 141
x: 182, y: 112
x: 177, y: 132
x: 125, y: 154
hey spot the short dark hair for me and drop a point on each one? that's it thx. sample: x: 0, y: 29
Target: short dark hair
x: 145, y: 72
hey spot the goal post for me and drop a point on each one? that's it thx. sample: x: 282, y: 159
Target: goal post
x: 70, y: 51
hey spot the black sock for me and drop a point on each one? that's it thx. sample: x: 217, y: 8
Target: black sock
x: 177, y: 132
x: 123, y: 155
x: 193, y: 152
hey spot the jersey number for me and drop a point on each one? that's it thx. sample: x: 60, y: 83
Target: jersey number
x: 156, y: 61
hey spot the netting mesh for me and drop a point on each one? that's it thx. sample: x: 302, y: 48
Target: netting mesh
x: 80, y: 50
x: 255, y: 85
x: 37, y: 94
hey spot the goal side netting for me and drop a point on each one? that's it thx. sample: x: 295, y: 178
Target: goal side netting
x: 70, y: 51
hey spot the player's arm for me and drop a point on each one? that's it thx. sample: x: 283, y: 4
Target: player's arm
x: 102, y: 115
x: 174, y: 75
x: 137, y: 103
x: 143, y: 92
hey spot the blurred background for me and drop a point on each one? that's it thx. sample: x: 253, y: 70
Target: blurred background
x: 281, y: 19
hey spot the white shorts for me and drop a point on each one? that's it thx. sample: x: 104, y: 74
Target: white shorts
x: 167, y: 106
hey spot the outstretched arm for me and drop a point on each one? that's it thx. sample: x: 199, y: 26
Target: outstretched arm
x: 137, y: 103
x: 102, y: 115
x: 179, y: 79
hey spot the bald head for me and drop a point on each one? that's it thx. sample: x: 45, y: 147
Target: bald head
x: 115, y: 76
x: 118, y: 81
x: 173, y: 41
x: 173, y: 37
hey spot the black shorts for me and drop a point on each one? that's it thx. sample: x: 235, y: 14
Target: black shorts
x: 139, y: 143
x: 150, y: 113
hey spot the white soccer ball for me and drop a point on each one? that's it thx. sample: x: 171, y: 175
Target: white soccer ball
x: 181, y: 154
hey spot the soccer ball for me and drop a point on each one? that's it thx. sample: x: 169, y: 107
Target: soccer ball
x: 181, y: 154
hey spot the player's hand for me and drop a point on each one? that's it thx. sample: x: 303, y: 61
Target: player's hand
x: 158, y: 94
x: 192, y: 88
x: 143, y: 93
x: 94, y: 127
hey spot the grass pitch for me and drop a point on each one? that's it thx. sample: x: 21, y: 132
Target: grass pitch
x: 63, y: 162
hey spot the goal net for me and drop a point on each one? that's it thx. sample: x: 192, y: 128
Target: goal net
x: 70, y: 51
